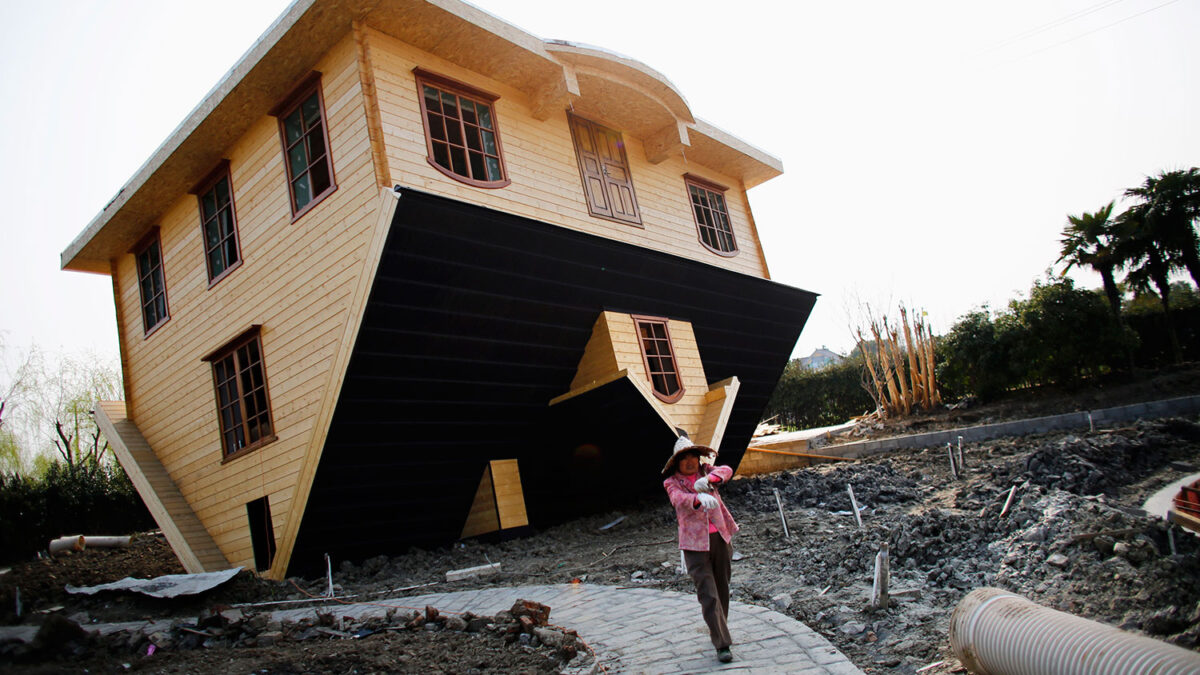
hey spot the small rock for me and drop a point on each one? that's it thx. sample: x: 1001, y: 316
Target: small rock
x: 456, y: 623
x: 853, y: 627
x: 782, y: 601
x: 637, y: 575
x: 1058, y: 560
x: 737, y: 555
x: 550, y: 637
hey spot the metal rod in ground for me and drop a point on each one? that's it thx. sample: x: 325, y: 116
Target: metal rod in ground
x: 329, y: 575
x: 962, y: 465
x: 953, y: 467
x: 1171, y: 537
x: 854, y: 505
x: 1008, y: 502
x: 1091, y: 423
x: 782, y: 518
x: 879, y: 592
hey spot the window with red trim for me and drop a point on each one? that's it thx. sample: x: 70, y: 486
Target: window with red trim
x: 218, y: 224
x: 243, y: 405
x: 461, y: 134
x: 659, y: 357
x: 712, y: 218
x: 306, y: 146
x: 152, y: 284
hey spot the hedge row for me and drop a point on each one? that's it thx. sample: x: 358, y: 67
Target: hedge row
x: 89, y: 499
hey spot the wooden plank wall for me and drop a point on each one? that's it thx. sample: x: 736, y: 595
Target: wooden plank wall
x: 296, y: 280
x: 541, y: 163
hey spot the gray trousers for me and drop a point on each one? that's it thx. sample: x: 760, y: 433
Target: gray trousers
x: 710, y: 572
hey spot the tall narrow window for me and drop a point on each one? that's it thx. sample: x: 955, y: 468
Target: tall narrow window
x: 604, y: 169
x: 712, y: 218
x: 461, y: 136
x: 306, y: 146
x: 151, y: 283
x: 659, y: 358
x: 218, y: 224
x: 262, y: 533
x: 243, y: 406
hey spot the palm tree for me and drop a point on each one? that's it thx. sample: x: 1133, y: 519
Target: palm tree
x: 1089, y: 240
x: 1148, y: 263
x: 1168, y: 210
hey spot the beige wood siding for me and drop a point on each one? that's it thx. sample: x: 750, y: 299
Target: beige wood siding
x: 296, y: 280
x: 540, y: 161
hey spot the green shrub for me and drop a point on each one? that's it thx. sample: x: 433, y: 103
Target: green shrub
x: 816, y: 398
x: 83, y: 499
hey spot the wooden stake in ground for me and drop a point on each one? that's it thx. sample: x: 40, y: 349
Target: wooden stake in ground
x: 879, y: 592
x: 854, y: 506
x: 782, y: 519
x: 1008, y: 502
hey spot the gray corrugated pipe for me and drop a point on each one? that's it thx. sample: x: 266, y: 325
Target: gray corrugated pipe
x: 994, y: 632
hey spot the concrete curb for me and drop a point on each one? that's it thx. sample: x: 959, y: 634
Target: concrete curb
x: 1172, y: 407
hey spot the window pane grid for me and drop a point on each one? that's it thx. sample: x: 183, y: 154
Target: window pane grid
x: 660, y: 359
x: 712, y: 219
x: 306, y: 153
x: 220, y: 230
x: 462, y: 136
x: 243, y: 405
x: 152, y: 286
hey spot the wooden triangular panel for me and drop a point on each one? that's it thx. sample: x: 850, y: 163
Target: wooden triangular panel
x: 483, y: 516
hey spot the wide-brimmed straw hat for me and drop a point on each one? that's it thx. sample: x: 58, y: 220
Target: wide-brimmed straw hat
x: 684, y: 445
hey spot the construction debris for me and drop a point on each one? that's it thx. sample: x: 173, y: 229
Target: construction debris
x: 477, y: 571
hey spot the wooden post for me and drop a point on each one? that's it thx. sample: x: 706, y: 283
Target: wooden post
x: 782, y: 519
x: 1008, y: 502
x: 854, y: 505
x: 879, y: 592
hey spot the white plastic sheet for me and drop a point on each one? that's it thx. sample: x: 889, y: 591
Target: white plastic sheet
x: 167, y: 586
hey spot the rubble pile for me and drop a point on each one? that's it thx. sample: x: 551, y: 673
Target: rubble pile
x: 524, y: 628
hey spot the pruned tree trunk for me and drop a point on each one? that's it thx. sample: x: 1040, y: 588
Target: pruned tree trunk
x: 898, y: 392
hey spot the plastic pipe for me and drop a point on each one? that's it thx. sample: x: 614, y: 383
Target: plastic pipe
x: 994, y: 632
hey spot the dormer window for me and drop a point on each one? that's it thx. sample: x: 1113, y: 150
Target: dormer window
x: 659, y: 357
x: 461, y: 135
x: 712, y: 218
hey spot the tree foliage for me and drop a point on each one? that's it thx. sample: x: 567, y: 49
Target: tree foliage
x: 807, y: 398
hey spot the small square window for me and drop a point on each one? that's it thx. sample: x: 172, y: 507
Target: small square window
x: 151, y: 282
x: 461, y: 135
x: 712, y: 217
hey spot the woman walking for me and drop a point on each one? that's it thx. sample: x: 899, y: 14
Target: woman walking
x: 705, y: 533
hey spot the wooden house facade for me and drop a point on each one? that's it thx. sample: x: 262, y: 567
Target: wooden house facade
x: 410, y: 274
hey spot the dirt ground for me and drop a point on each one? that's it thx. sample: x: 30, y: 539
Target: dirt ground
x: 1074, y: 539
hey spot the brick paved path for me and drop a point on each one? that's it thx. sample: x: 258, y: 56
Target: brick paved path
x: 642, y: 630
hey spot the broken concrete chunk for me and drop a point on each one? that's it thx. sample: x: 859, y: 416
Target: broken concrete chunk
x: 782, y: 601
x: 1058, y: 560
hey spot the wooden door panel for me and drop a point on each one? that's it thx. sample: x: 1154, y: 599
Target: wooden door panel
x: 604, y: 169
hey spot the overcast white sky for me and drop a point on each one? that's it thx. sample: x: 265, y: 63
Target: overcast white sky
x: 931, y: 149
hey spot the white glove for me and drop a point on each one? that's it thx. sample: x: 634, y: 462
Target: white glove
x: 702, y: 485
x: 707, y: 502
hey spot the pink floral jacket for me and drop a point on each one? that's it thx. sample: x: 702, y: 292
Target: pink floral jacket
x: 693, y: 521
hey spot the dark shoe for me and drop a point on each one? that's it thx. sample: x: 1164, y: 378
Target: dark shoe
x: 724, y: 655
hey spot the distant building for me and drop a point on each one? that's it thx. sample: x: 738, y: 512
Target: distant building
x: 821, y: 358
